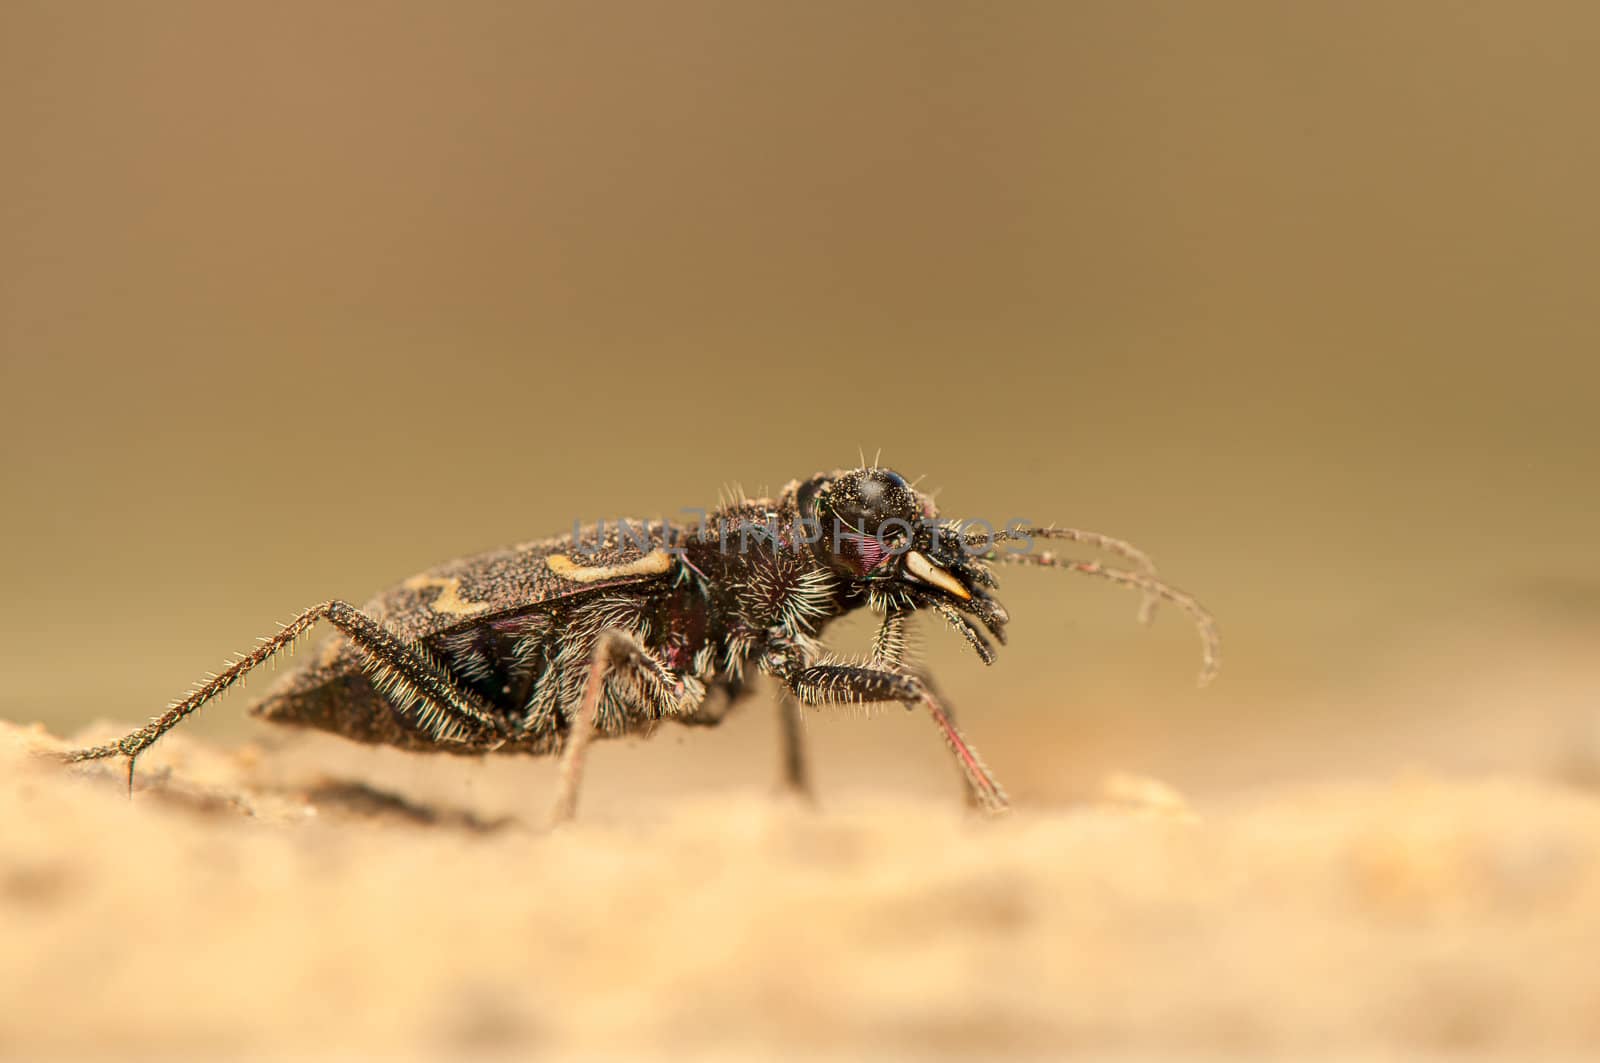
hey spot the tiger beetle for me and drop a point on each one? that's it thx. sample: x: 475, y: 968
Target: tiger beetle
x: 545, y: 646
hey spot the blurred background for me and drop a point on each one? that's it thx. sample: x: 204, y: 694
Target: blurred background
x: 298, y: 299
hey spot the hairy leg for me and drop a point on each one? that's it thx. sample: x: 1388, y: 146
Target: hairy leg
x: 794, y: 772
x: 616, y: 653
x: 407, y: 674
x: 840, y: 684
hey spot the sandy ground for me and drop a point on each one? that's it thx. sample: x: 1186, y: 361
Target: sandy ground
x: 225, y: 910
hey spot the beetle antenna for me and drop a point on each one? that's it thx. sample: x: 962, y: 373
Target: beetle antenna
x: 1120, y: 547
x: 1204, y: 622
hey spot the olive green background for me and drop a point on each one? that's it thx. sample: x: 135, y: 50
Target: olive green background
x: 297, y: 299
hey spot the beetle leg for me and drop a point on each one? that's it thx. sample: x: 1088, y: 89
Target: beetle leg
x: 968, y: 794
x: 889, y: 650
x: 888, y: 647
x: 889, y: 644
x: 843, y: 684
x: 616, y: 652
x: 405, y: 672
x: 795, y: 773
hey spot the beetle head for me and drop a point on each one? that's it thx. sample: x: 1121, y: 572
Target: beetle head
x: 871, y: 525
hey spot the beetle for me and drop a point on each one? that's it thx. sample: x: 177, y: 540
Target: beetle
x: 542, y: 647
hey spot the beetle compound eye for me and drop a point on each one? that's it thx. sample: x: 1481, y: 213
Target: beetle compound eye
x: 882, y: 494
x: 874, y: 487
x: 866, y: 517
x: 865, y: 501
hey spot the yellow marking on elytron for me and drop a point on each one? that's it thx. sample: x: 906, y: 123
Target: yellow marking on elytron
x: 652, y: 564
x: 449, y: 599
